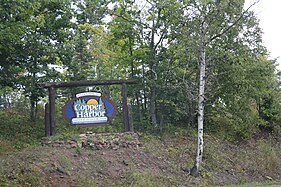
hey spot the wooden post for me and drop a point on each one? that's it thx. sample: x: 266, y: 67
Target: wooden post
x: 47, y: 120
x: 52, y: 108
x: 125, y: 107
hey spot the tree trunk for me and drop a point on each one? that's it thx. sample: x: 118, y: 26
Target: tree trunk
x: 132, y: 62
x: 153, y: 106
x: 33, y: 99
x: 201, y: 102
x: 144, y: 93
x: 32, y: 110
x: 153, y: 77
x: 6, y: 101
x: 138, y: 97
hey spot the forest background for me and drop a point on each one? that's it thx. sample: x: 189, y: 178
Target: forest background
x: 156, y: 42
x: 194, y: 60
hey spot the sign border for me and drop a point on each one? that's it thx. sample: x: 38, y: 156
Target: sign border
x: 90, y: 124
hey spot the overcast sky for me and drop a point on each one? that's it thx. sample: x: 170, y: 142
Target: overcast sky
x: 269, y: 13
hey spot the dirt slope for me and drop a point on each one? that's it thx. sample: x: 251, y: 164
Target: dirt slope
x: 144, y: 161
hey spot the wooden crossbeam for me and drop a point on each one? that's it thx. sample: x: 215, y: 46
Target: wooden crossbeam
x: 86, y: 83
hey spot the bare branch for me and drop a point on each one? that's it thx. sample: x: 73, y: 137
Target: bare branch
x: 233, y: 24
x: 163, y: 35
x: 132, y: 21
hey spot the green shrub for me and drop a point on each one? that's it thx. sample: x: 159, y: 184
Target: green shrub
x: 17, y: 129
x: 233, y: 127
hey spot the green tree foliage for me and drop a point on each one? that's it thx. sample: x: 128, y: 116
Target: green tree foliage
x: 240, y: 76
x: 35, y: 29
x: 142, y: 31
x: 14, y: 23
x: 154, y: 41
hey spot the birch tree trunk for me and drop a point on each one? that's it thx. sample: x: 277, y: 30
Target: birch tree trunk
x: 201, y: 102
x: 205, y: 40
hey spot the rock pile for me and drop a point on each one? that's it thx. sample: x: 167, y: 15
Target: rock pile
x: 102, y: 141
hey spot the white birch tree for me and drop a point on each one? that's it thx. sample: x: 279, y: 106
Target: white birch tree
x: 216, y: 18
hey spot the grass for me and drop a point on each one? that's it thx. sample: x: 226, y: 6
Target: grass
x: 221, y: 162
x: 86, y: 182
x: 6, y: 146
x: 17, y: 170
x: 255, y: 184
x: 224, y: 162
x: 268, y: 154
x: 148, y: 178
x: 17, y: 132
x: 66, y: 164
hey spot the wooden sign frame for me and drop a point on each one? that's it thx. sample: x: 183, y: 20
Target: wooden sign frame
x: 50, y: 108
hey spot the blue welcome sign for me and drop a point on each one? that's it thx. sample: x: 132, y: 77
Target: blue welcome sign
x: 89, y: 108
